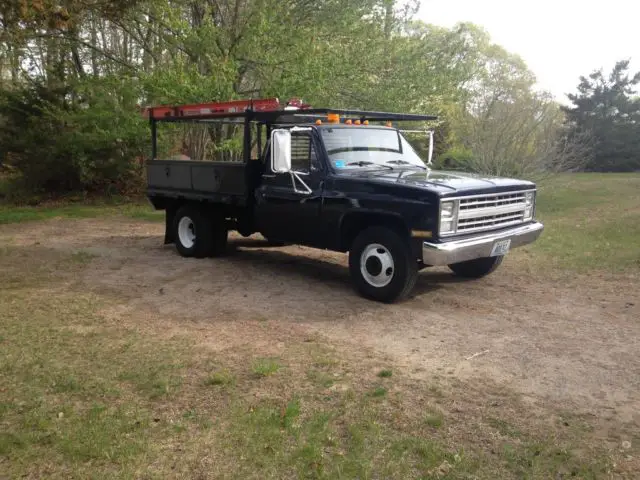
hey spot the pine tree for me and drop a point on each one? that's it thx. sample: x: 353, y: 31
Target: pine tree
x: 605, y: 107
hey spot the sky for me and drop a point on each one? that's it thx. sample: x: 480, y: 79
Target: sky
x: 558, y: 39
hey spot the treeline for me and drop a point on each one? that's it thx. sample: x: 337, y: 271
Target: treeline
x: 74, y: 74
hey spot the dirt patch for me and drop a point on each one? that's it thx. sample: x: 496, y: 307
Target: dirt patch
x: 570, y: 342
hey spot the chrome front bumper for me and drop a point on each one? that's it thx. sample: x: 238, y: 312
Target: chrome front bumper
x: 456, y: 251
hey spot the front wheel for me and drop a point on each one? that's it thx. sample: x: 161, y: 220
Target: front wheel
x: 477, y: 268
x: 381, y: 266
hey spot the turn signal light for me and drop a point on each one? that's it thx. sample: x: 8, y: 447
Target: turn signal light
x: 333, y: 118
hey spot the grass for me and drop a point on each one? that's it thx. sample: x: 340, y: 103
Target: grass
x: 263, y: 367
x: 434, y: 418
x: 221, y: 378
x: 19, y: 214
x: 379, y: 392
x: 83, y: 396
x: 592, y: 222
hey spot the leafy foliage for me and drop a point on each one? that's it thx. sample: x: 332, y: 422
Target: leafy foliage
x: 605, y: 108
x: 73, y: 75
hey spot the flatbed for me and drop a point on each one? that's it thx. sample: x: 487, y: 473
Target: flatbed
x: 343, y: 180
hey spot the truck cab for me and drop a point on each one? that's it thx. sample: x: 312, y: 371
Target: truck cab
x: 347, y: 181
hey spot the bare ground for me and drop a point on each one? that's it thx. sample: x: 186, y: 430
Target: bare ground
x: 555, y: 339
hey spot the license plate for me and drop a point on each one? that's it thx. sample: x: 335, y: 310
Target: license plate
x: 501, y: 247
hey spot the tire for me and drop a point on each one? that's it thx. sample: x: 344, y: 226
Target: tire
x: 193, y: 232
x: 219, y: 237
x: 477, y: 268
x: 381, y: 265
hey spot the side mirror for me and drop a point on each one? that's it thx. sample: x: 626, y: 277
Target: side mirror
x: 281, y: 151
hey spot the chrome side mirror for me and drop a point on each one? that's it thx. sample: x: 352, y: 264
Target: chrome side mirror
x: 281, y: 151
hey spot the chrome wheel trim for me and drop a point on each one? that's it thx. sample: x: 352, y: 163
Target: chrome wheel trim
x: 187, y: 232
x: 376, y: 265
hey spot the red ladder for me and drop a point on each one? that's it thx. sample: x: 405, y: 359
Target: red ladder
x: 213, y: 108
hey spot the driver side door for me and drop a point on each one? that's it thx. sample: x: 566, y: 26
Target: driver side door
x: 288, y: 211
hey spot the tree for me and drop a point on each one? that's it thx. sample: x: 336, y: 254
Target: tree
x: 78, y: 70
x: 605, y: 109
x: 504, y: 126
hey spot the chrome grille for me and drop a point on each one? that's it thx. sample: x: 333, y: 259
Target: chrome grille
x: 488, y: 212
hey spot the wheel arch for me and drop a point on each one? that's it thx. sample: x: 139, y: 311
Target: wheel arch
x: 351, y: 224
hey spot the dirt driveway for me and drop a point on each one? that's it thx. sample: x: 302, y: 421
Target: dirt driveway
x: 571, y: 342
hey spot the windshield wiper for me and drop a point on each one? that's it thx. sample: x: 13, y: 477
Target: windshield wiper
x: 404, y: 162
x: 364, y: 163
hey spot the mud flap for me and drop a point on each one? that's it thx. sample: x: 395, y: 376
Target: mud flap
x: 168, y: 225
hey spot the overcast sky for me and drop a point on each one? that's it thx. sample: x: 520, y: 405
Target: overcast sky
x: 559, y: 39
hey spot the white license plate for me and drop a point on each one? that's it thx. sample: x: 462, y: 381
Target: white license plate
x: 501, y: 247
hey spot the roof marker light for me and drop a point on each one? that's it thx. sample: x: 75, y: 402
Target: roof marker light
x: 333, y: 118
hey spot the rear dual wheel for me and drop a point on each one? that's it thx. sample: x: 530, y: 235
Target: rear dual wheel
x: 198, y: 234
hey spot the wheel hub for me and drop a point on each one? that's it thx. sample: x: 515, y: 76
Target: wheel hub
x: 186, y: 232
x: 376, y: 265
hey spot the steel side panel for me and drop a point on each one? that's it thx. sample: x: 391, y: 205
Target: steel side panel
x: 197, y: 177
x: 169, y: 175
x: 216, y: 178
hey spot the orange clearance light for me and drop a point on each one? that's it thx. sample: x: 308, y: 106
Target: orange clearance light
x: 348, y: 121
x: 366, y: 122
x: 333, y: 118
x: 318, y: 122
x: 357, y: 122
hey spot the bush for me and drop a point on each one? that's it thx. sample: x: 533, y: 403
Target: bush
x: 89, y: 138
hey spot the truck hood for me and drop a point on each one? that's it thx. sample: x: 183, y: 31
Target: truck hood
x: 444, y: 183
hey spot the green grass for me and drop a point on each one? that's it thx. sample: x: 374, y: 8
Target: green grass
x: 83, y: 396
x: 263, y: 367
x: 15, y: 214
x: 434, y: 418
x: 221, y: 378
x: 378, y: 392
x: 592, y: 222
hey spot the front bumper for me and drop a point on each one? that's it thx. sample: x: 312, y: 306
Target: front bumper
x: 455, y: 251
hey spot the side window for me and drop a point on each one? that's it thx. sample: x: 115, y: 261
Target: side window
x: 303, y: 154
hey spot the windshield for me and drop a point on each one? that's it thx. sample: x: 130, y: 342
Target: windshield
x: 360, y: 147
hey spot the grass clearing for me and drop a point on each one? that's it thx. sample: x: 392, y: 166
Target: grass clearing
x: 84, y: 397
x: 19, y: 214
x: 87, y: 396
x: 592, y: 222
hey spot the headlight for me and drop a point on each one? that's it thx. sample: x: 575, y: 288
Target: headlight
x: 446, y: 209
x: 448, y: 214
x: 529, y: 198
x: 529, y: 205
